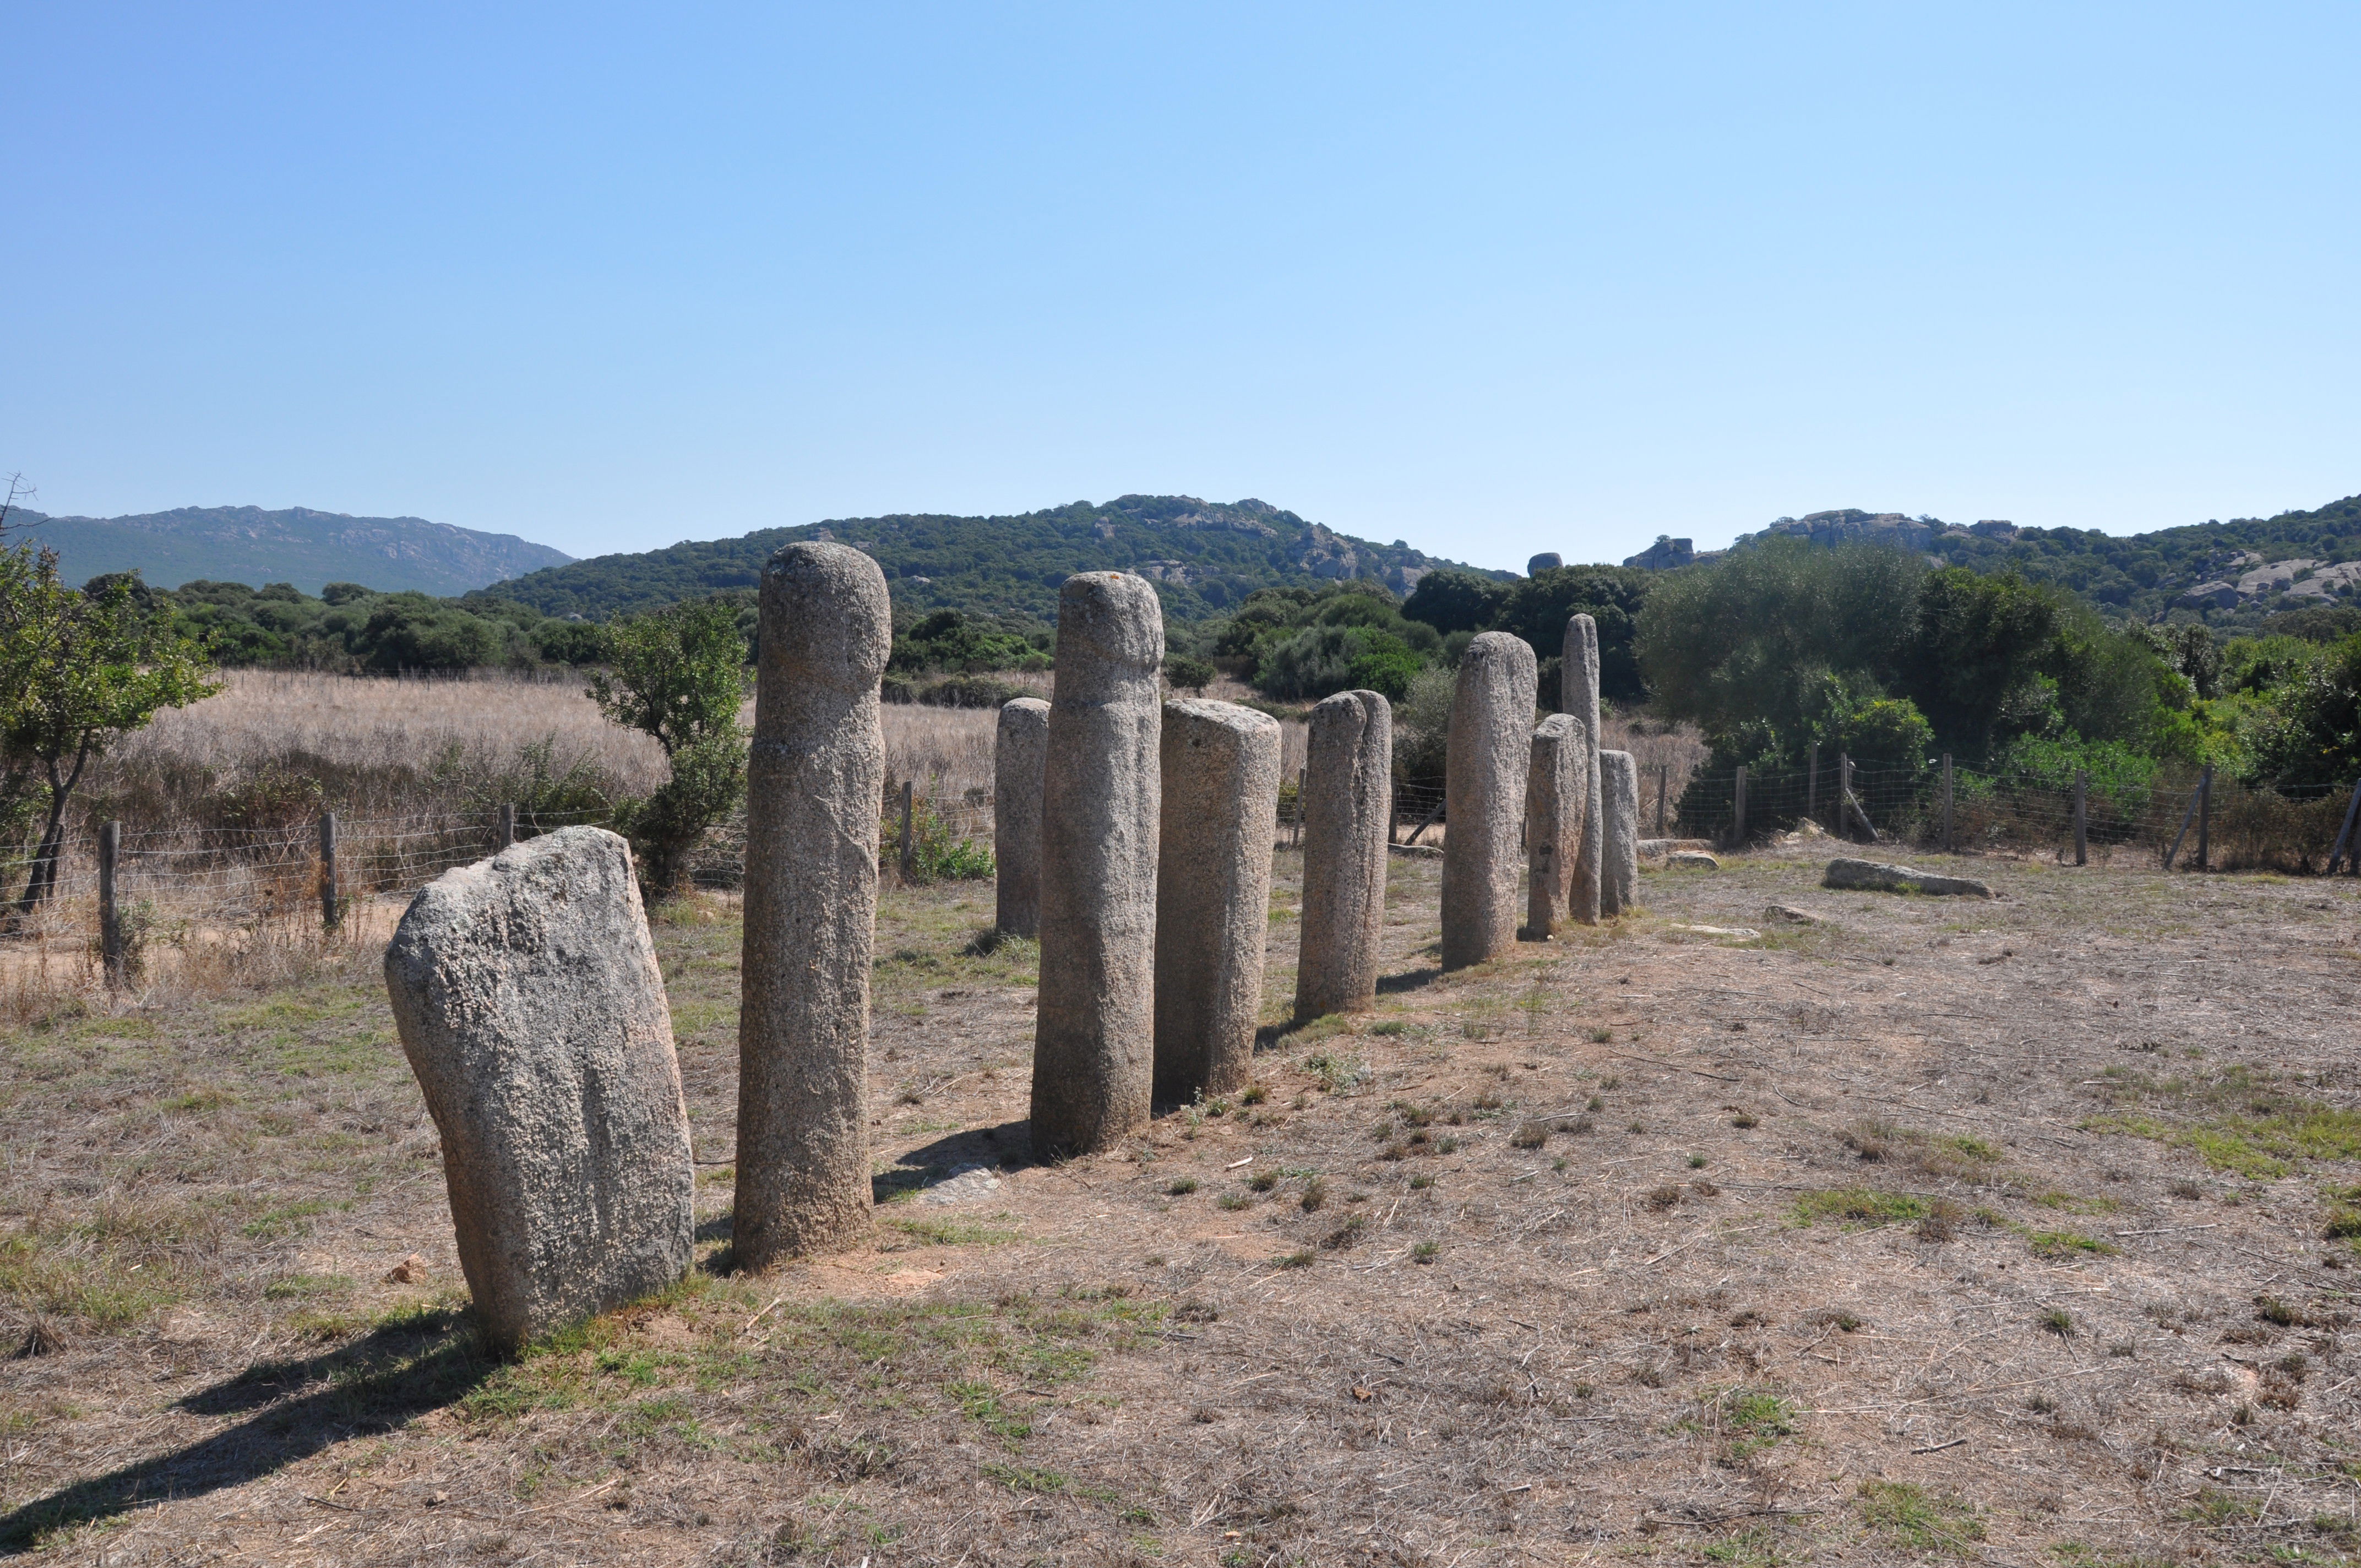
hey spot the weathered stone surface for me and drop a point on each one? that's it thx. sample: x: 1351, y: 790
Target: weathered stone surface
x: 1213, y: 894
x: 1657, y: 848
x: 1094, y: 1034
x: 1578, y: 694
x: 1348, y: 796
x: 1547, y: 561
x: 1619, y: 867
x: 1692, y: 859
x: 814, y: 779
x: 1788, y: 914
x: 531, y: 1007
x: 1877, y: 877
x: 1020, y: 747
x: 1557, y: 792
x: 1488, y: 754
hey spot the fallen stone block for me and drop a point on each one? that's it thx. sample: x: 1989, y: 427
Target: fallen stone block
x: 1873, y: 876
x: 1692, y: 859
x: 1788, y: 914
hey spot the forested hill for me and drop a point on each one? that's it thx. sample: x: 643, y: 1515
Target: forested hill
x: 1204, y: 556
x: 2231, y: 574
x: 296, y: 544
x: 2145, y: 574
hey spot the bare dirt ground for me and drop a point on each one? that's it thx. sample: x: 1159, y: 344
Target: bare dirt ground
x: 1990, y: 1232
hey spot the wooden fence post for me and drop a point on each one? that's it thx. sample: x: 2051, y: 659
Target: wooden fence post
x: 331, y: 906
x: 1738, y: 812
x: 1844, y: 795
x: 2205, y: 816
x: 909, y: 850
x: 110, y: 918
x: 1295, y: 834
x: 2345, y: 834
x: 1947, y: 803
x: 2081, y: 818
x: 1812, y: 781
x: 2186, y: 818
x: 1664, y: 792
x: 508, y: 824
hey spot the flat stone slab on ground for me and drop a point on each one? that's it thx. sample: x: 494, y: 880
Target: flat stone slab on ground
x: 1691, y: 860
x: 1656, y: 848
x: 967, y: 1184
x: 1874, y: 876
x: 1788, y: 914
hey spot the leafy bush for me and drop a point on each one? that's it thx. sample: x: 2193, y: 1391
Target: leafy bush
x: 679, y: 675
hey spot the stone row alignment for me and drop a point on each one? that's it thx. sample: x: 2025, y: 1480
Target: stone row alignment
x: 1135, y: 837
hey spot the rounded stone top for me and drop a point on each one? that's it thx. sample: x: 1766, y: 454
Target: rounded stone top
x: 1547, y: 561
x: 1112, y: 617
x: 1502, y: 648
x: 1023, y: 712
x: 1195, y: 710
x: 826, y: 614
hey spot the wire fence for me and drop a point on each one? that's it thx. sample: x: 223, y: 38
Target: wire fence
x: 2194, y: 819
x: 227, y: 890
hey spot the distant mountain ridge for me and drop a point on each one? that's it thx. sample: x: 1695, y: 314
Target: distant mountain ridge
x: 1204, y: 556
x: 309, y: 548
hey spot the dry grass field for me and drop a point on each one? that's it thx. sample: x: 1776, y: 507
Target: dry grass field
x: 2008, y: 1232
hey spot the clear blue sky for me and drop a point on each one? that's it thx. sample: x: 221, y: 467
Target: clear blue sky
x: 1493, y: 280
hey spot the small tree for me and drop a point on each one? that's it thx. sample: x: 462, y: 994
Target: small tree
x: 679, y: 675
x: 77, y: 672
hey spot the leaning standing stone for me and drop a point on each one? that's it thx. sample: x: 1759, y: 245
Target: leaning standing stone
x: 1018, y: 751
x: 1618, y: 882
x: 532, y: 1011
x: 1348, y: 797
x: 814, y: 778
x: 1213, y: 894
x: 1487, y: 755
x: 1093, y: 1038
x: 1556, y: 792
x: 1578, y: 694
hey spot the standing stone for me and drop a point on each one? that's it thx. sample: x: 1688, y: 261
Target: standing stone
x: 1618, y: 780
x: 1219, y: 774
x: 532, y: 1009
x: 1094, y: 1032
x: 814, y: 780
x: 1348, y: 801
x: 1556, y: 792
x: 1547, y: 561
x: 1487, y: 755
x: 1578, y: 694
x: 1018, y: 750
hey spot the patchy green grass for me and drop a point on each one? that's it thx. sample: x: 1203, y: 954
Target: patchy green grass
x: 1918, y: 1521
x: 2068, y: 1243
x: 951, y: 1233
x: 1860, y: 1206
x: 2241, y: 1120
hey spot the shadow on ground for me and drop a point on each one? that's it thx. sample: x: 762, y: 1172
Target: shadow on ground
x: 376, y: 1384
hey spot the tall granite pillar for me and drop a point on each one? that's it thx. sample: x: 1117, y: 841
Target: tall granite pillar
x: 1348, y: 803
x: 1488, y: 752
x: 1094, y: 1032
x: 814, y: 776
x: 1578, y: 694
x: 1618, y: 780
x: 1219, y: 774
x: 1019, y: 747
x: 1556, y: 793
